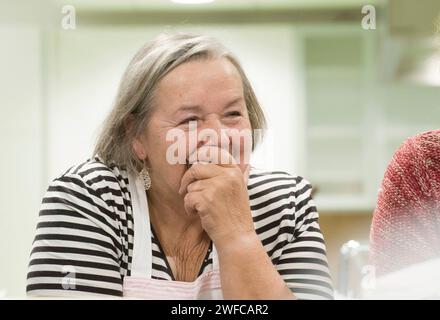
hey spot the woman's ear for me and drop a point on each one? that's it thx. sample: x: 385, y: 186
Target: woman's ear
x: 136, y: 144
x: 139, y: 149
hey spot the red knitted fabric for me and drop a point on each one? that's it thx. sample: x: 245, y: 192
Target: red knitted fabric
x: 406, y: 222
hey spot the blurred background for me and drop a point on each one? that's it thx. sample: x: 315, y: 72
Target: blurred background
x: 342, y: 84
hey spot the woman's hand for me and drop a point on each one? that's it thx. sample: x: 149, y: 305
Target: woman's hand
x: 218, y: 194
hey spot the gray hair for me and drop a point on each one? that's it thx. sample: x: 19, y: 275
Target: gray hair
x: 138, y: 86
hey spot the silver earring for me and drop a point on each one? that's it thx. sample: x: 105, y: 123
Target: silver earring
x: 145, y: 178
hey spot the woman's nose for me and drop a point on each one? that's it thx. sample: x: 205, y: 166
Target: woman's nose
x: 212, y: 122
x: 213, y: 133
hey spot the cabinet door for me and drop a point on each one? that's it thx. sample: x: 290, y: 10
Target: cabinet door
x: 335, y: 112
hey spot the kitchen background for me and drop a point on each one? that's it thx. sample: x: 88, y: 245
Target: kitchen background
x: 343, y: 83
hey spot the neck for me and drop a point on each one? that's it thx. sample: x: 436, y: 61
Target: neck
x: 168, y: 217
x: 182, y: 238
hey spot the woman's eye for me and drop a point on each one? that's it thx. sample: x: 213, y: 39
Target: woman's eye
x: 188, y: 120
x: 233, y: 114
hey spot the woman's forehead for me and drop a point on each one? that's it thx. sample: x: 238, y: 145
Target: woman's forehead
x: 200, y: 82
x: 197, y: 73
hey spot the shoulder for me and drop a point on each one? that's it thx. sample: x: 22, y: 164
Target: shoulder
x: 95, y: 173
x: 96, y: 178
x: 422, y: 146
x: 413, y: 169
x: 92, y: 186
x: 83, y: 222
x: 268, y: 185
x: 432, y: 136
x: 282, y: 200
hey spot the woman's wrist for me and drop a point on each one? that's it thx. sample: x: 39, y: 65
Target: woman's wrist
x: 238, y: 243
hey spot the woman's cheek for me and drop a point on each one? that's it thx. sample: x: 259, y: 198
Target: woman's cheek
x: 241, y: 141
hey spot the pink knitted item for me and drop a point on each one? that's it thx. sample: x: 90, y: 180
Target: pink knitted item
x: 406, y: 222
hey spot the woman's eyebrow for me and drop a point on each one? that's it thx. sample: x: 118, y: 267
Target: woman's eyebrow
x: 234, y: 101
x: 186, y: 108
x: 198, y: 108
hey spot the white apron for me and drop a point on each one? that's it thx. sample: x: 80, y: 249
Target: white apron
x: 140, y: 285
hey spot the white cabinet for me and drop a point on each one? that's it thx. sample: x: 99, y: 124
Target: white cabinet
x: 355, y: 118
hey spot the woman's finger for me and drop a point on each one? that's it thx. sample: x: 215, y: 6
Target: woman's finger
x: 198, y: 171
x: 198, y: 185
x: 215, y: 154
x: 246, y: 174
x: 192, y: 202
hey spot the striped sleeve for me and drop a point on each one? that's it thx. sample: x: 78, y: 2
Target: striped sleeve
x: 77, y: 247
x: 303, y: 262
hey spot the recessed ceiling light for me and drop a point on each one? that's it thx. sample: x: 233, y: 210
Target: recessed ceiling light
x: 192, y: 1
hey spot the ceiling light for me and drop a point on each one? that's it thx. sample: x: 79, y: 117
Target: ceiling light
x: 192, y: 1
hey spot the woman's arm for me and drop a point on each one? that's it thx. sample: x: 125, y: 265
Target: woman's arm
x: 218, y: 194
x: 247, y: 272
x: 298, y: 253
x: 75, y: 251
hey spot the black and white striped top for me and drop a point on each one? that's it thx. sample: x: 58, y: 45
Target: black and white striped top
x: 85, y: 227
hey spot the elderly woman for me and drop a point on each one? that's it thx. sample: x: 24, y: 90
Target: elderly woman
x: 133, y: 222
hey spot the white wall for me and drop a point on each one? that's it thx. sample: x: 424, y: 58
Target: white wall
x: 21, y: 148
x: 87, y: 66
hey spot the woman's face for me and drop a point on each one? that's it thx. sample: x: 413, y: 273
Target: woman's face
x: 207, y: 93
